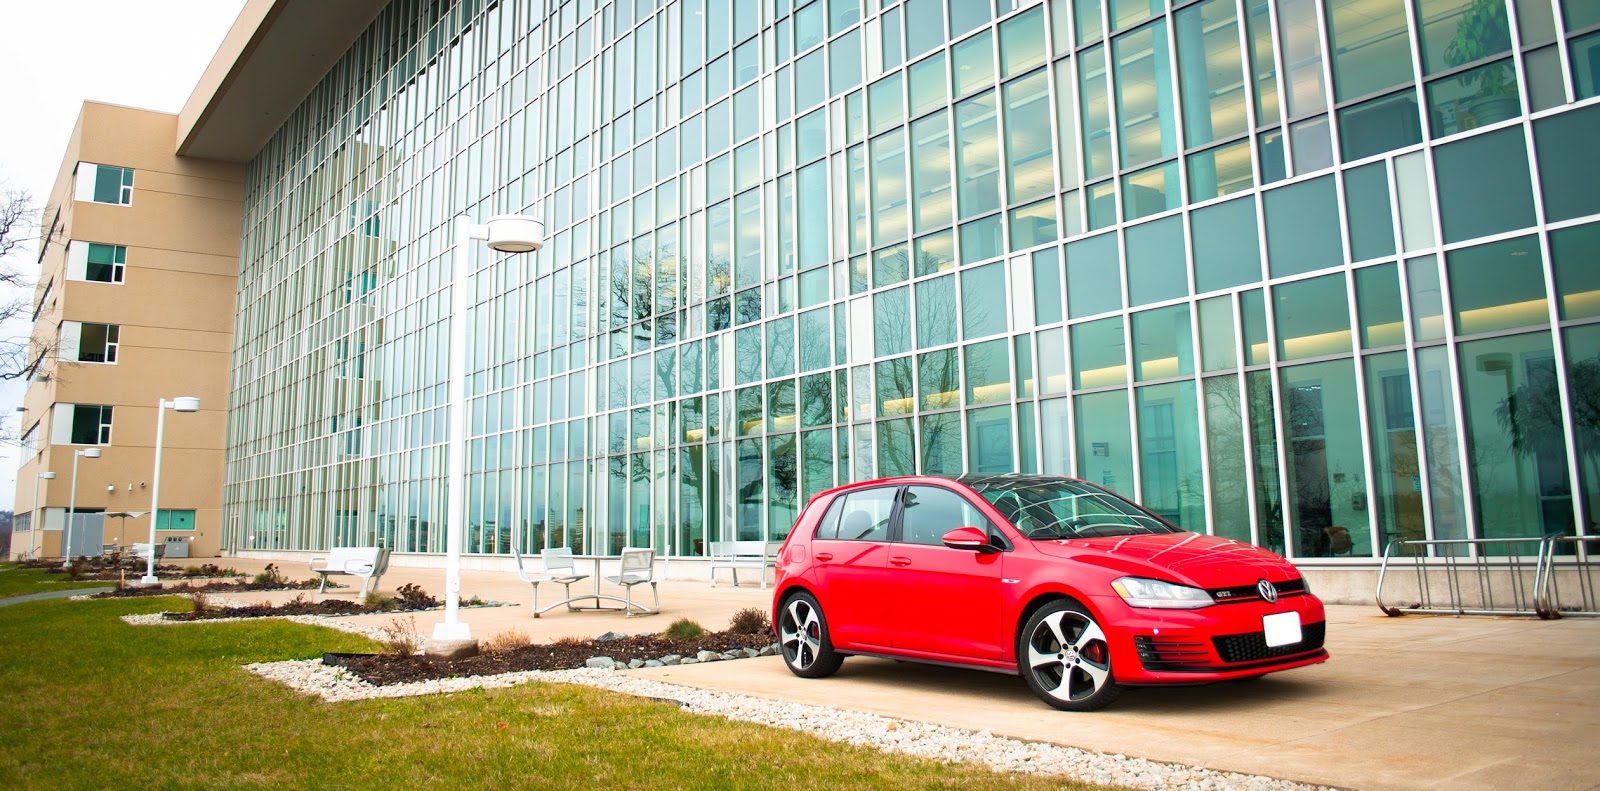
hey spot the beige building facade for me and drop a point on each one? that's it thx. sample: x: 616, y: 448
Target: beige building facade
x: 138, y: 264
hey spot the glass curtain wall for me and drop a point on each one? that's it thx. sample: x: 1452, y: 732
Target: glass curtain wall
x: 1316, y: 276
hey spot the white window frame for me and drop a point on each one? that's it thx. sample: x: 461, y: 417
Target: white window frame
x: 87, y: 173
x: 78, y: 262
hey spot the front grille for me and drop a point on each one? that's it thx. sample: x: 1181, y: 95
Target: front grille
x: 1244, y: 593
x: 1165, y: 653
x: 1253, y: 647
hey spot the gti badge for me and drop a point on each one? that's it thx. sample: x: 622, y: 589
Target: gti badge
x: 1267, y: 591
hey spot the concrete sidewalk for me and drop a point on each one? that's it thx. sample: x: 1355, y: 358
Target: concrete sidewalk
x: 1413, y: 702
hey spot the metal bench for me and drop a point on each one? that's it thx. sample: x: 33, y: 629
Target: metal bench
x: 735, y: 555
x: 368, y: 563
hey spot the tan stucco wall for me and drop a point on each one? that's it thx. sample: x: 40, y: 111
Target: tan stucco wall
x: 175, y: 313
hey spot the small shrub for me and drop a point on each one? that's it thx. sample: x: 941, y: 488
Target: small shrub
x: 193, y: 571
x: 379, y: 602
x: 271, y: 576
x: 569, y: 640
x: 202, y: 602
x: 412, y: 597
x: 401, y: 637
x: 683, y: 629
x: 750, y: 620
x: 507, y: 641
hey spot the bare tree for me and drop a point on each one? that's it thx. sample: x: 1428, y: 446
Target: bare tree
x: 19, y: 224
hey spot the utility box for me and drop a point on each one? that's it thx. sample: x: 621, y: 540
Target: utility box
x: 177, y: 547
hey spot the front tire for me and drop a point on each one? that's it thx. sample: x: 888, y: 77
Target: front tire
x: 803, y: 639
x: 1065, y: 658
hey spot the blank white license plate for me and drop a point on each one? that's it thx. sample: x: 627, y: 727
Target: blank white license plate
x: 1281, y: 628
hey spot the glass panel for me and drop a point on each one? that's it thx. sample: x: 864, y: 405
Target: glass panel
x: 1218, y: 343
x: 888, y: 188
x: 972, y: 65
x: 981, y: 239
x: 1458, y: 32
x: 1366, y: 195
x: 1210, y: 66
x: 1022, y: 42
x: 891, y: 333
x: 1517, y: 455
x: 1326, y: 495
x: 1169, y: 453
x: 1047, y: 306
x: 1144, y: 95
x: 1066, y: 152
x: 1094, y: 280
x: 1156, y: 262
x: 1105, y: 446
x: 965, y: 16
x: 1303, y: 227
x: 1302, y: 57
x: 1576, y: 254
x: 989, y: 440
x: 930, y: 172
x: 1056, y: 432
x: 1163, y: 344
x: 1312, y: 145
x: 1097, y: 354
x: 1371, y: 50
x: 780, y: 406
x: 1030, y: 171
x: 844, y: 63
x: 1383, y: 124
x: 941, y: 444
x: 1313, y: 317
x: 1476, y: 97
x: 1446, y: 488
x: 1583, y: 382
x: 896, y: 448
x: 1096, y: 112
x: 1378, y: 305
x: 1270, y: 147
x: 1090, y: 26
x: 983, y: 300
x: 1427, y: 300
x: 1220, y: 171
x: 935, y: 253
x: 1125, y: 13
x: 1397, y: 480
x: 816, y: 458
x: 1585, y: 58
x: 939, y: 380
x: 893, y: 381
x: 1151, y: 191
x: 1052, y: 362
x: 924, y: 26
x: 1416, y: 207
x: 1263, y: 64
x: 929, y: 85
x: 978, y: 158
x: 1546, y: 88
x: 936, y: 303
x: 1264, y: 455
x: 988, y: 372
x: 1498, y: 286
x: 1227, y: 250
x: 1578, y: 14
x: 1230, y: 504
x: 752, y: 485
x: 1568, y: 171
x: 885, y: 104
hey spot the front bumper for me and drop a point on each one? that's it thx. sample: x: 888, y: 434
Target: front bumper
x: 1216, y: 643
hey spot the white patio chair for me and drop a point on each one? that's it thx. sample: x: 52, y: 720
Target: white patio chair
x: 559, y: 566
x: 637, y: 567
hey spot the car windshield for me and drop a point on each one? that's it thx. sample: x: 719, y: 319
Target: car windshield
x: 1054, y: 509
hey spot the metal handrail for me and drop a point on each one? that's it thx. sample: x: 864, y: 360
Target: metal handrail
x: 1547, y: 599
x: 1524, y: 599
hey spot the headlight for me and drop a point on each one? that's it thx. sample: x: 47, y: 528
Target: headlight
x: 1141, y: 592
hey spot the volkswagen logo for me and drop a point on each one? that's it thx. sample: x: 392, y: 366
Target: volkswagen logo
x: 1267, y: 591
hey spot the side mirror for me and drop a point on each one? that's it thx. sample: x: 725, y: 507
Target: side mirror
x: 969, y: 538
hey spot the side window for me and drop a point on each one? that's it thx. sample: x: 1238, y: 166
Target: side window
x: 865, y: 516
x: 828, y: 528
x: 931, y: 511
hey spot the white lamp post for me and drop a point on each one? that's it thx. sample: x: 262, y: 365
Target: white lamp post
x: 507, y: 233
x: 72, y: 504
x: 180, y: 404
x: 36, y: 520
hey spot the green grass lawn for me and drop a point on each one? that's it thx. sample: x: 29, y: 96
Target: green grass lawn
x: 90, y: 702
x: 16, y: 581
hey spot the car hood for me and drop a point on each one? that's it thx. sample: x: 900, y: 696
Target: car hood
x: 1194, y: 559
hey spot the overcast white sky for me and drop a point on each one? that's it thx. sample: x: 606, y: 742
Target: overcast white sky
x: 57, y: 54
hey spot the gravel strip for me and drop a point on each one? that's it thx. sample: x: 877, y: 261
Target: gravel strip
x: 868, y: 730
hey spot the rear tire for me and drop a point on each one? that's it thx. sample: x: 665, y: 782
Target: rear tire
x: 803, y: 638
x: 1065, y: 658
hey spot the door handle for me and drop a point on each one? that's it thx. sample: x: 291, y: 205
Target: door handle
x: 900, y: 561
x: 824, y: 556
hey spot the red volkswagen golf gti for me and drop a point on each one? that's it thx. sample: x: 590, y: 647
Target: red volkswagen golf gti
x: 1075, y: 588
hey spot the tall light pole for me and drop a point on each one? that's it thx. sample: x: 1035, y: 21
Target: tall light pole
x: 506, y: 233
x: 36, y: 521
x: 180, y: 404
x: 72, y: 504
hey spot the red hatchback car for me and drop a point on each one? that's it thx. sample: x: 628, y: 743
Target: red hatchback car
x: 1073, y: 587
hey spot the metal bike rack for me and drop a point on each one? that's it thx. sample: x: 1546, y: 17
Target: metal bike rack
x: 1465, y: 582
x: 1580, y: 567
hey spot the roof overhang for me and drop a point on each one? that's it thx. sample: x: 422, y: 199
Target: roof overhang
x: 275, y: 53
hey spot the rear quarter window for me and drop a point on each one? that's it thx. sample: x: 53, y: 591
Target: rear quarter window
x: 828, y: 528
x: 864, y: 515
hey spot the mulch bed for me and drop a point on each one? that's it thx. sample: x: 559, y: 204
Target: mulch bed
x: 213, y: 587
x: 386, y: 669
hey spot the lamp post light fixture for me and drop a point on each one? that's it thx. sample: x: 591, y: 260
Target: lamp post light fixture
x: 179, y: 404
x: 35, y: 522
x: 506, y: 233
x: 72, y: 504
